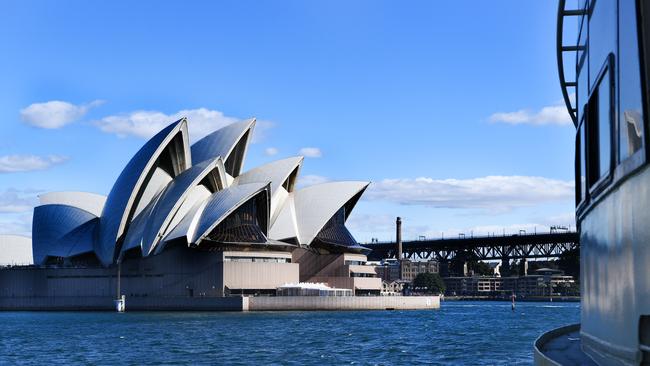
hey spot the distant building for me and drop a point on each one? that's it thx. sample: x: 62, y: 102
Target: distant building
x: 536, y: 285
x: 392, y: 288
x: 410, y: 269
x: 312, y: 289
x: 390, y: 270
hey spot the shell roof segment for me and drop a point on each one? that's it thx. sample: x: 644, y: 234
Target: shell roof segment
x: 223, y: 203
x: 315, y: 205
x: 157, y: 218
x: 168, y: 151
x: 91, y: 202
x: 50, y: 224
x: 229, y: 142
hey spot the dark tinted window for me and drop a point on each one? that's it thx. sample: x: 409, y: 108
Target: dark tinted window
x: 599, y: 130
x: 604, y: 125
x: 630, y: 117
x: 602, y: 35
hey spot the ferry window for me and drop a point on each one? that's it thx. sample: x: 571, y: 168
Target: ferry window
x: 630, y: 119
x: 599, y: 130
x: 604, y: 124
x: 602, y: 35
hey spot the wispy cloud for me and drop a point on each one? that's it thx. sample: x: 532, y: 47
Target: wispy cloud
x: 55, y: 113
x: 310, y: 152
x: 17, y: 224
x: 382, y: 226
x: 25, y: 163
x: 310, y: 180
x: 270, y: 151
x: 555, y: 114
x: 492, y: 193
x: 145, y: 124
x: 16, y: 201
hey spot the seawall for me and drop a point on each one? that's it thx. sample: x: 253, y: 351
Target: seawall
x: 261, y: 303
x: 280, y: 303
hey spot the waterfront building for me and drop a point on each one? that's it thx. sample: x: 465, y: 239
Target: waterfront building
x: 411, y: 269
x: 312, y: 289
x: 393, y: 288
x: 544, y: 282
x: 187, y: 221
x: 390, y: 270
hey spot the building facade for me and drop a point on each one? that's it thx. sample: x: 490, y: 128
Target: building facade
x: 188, y: 221
x: 543, y: 283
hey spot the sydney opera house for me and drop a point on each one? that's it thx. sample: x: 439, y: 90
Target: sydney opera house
x: 186, y: 222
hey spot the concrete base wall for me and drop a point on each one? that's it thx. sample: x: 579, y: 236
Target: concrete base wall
x: 259, y: 275
x: 261, y: 303
x: 280, y: 303
x: 100, y: 303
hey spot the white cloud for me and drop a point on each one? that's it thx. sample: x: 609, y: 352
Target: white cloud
x: 555, y: 114
x: 16, y: 201
x: 310, y: 152
x: 310, y: 180
x: 55, y: 113
x: 492, y: 193
x: 25, y: 163
x: 382, y: 226
x: 200, y: 122
x: 270, y: 151
x: 17, y: 226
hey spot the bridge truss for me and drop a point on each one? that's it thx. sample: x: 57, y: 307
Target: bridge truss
x: 527, y: 246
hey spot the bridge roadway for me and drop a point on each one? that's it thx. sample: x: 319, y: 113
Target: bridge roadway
x: 525, y: 246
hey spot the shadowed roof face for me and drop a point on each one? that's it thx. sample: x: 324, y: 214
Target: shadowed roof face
x: 229, y: 142
x: 51, y: 223
x: 223, y: 203
x: 166, y: 151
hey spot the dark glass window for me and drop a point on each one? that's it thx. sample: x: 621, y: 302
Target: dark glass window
x: 599, y: 130
x: 604, y: 125
x: 602, y: 35
x: 581, y: 181
x: 630, y: 119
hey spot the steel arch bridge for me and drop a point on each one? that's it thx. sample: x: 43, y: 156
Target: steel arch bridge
x: 526, y: 246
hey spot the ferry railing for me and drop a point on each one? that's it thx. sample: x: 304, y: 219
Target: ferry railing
x: 563, y: 13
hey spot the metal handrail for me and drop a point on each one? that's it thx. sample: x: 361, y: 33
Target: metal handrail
x: 560, y: 49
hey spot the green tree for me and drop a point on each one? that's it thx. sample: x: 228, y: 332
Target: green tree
x: 569, y: 262
x: 430, y: 283
x: 480, y: 268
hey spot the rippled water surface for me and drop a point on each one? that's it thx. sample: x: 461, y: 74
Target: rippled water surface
x: 458, y: 333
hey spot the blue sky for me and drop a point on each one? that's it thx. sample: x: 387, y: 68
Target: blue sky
x: 451, y: 109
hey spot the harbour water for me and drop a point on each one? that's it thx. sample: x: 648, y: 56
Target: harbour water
x: 458, y: 333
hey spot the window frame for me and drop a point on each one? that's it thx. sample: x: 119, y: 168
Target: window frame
x: 633, y: 162
x: 580, y: 154
x: 596, y: 187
